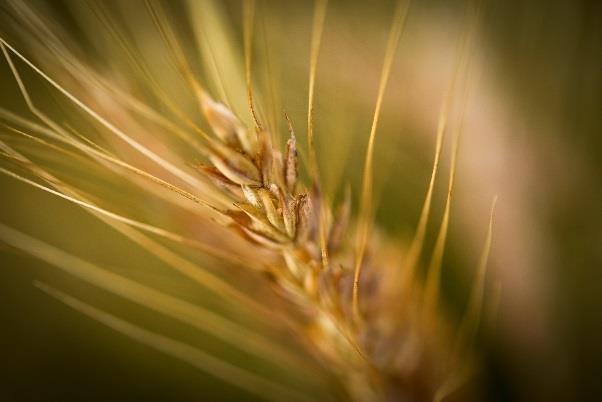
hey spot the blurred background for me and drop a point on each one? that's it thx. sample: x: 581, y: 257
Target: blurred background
x: 532, y: 134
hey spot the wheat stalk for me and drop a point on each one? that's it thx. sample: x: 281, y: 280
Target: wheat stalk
x: 347, y: 293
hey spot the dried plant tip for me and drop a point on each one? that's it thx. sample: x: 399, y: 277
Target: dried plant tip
x: 290, y: 168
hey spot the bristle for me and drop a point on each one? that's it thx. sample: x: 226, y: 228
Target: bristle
x: 472, y: 317
x: 218, y: 368
x: 431, y: 293
x: 433, y: 279
x: 136, y: 145
x: 196, y: 316
x: 416, y: 246
x: 365, y: 213
x: 320, y: 8
x: 249, y: 20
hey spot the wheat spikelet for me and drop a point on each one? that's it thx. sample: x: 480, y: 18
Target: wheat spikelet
x: 339, y: 275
